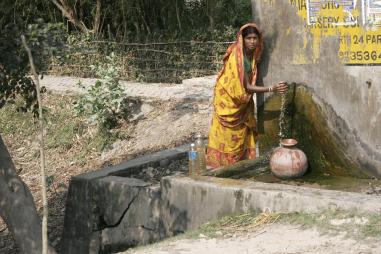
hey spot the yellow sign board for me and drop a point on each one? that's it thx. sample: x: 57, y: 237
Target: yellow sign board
x: 355, y: 23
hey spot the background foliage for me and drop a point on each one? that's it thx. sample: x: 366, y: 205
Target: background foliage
x: 153, y: 40
x: 44, y: 39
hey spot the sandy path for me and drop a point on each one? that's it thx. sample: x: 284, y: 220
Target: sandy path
x: 196, y: 88
x: 274, y: 239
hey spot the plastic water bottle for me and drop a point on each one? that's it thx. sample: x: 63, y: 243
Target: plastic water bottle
x: 200, y: 148
x: 193, y: 158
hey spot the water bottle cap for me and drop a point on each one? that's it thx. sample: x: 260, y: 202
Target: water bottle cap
x: 192, y: 144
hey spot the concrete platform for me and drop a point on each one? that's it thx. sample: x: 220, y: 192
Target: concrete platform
x: 107, y: 211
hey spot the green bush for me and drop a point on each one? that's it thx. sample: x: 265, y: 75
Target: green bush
x: 102, y: 102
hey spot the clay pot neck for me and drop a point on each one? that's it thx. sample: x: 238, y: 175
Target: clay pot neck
x: 288, y: 142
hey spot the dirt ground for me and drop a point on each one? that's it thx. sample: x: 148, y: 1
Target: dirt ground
x: 273, y: 239
x: 329, y: 231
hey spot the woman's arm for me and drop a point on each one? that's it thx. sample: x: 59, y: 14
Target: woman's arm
x: 281, y: 87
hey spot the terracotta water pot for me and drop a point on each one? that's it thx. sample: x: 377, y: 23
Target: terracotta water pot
x: 288, y: 161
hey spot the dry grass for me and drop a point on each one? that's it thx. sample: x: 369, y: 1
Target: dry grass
x: 71, y: 148
x: 236, y: 225
x: 247, y: 222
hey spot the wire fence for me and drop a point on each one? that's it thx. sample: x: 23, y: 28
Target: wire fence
x: 148, y: 62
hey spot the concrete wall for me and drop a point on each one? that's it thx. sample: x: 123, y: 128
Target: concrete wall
x: 194, y: 201
x: 107, y: 211
x: 298, y: 53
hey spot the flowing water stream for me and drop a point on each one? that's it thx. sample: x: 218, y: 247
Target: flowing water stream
x: 282, y: 130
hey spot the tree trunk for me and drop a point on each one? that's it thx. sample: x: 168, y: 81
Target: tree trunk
x: 140, y: 7
x: 178, y: 16
x: 125, y: 29
x: 97, y: 18
x: 17, y: 207
x: 69, y: 13
x: 81, y: 3
x: 210, y: 5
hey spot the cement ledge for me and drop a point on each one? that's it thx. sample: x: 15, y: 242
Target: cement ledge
x: 135, y: 164
x: 207, y: 198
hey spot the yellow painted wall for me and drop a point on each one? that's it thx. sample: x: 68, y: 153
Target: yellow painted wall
x: 358, y: 33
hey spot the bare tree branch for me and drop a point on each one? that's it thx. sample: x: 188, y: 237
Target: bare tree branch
x: 69, y: 13
x: 42, y: 152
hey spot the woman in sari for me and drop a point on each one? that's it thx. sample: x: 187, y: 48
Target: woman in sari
x: 233, y: 129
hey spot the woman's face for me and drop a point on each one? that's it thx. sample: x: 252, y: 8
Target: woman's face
x: 251, y: 41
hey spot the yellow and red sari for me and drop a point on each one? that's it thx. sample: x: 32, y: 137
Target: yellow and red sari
x: 233, y: 128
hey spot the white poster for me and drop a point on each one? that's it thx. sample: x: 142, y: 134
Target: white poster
x: 314, y: 7
x: 371, y: 12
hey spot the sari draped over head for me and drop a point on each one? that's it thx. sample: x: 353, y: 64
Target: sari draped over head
x: 233, y: 127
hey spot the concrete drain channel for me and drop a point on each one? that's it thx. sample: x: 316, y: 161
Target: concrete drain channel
x: 151, y: 198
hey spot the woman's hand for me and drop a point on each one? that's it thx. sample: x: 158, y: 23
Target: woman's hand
x: 281, y: 87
